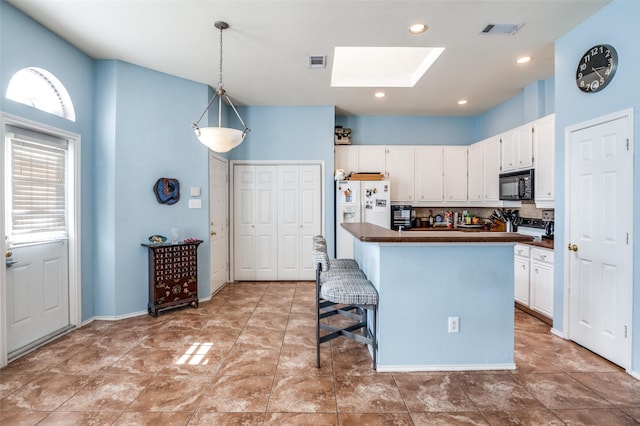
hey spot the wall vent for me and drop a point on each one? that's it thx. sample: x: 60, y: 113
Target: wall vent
x: 508, y: 29
x: 317, y: 61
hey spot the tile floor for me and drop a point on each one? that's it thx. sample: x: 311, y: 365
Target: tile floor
x: 236, y: 361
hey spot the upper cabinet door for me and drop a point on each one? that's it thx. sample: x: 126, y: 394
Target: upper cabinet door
x: 455, y: 173
x: 525, y: 147
x: 371, y: 158
x: 346, y: 158
x: 508, y: 151
x: 491, y: 168
x: 429, y: 178
x: 544, y: 143
x: 476, y: 172
x: 400, y: 167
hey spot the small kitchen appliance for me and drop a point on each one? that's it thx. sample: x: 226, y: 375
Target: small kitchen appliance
x: 549, y: 230
x: 400, y: 216
x: 516, y: 185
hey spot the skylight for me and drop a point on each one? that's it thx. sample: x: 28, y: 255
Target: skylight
x: 381, y: 66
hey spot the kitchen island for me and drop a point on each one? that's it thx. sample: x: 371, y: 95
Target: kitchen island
x: 425, y: 278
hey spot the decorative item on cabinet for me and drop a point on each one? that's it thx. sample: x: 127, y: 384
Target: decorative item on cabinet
x: 342, y: 136
x: 173, y: 274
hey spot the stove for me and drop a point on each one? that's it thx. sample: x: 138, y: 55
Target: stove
x: 532, y: 227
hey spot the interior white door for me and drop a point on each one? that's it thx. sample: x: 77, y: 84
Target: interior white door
x: 600, y: 259
x: 244, y: 228
x: 299, y: 207
x: 219, y: 232
x: 37, y: 293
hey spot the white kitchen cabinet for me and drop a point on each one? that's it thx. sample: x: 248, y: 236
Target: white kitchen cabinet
x: 255, y: 222
x: 517, y: 149
x: 476, y: 173
x: 541, y: 281
x: 429, y: 174
x: 544, y: 148
x: 491, y: 169
x: 483, y: 171
x: 346, y: 158
x: 372, y: 158
x: 521, y: 271
x: 400, y: 172
x: 299, y: 216
x: 455, y: 173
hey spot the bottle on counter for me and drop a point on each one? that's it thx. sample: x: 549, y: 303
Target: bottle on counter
x: 431, y: 219
x: 467, y: 219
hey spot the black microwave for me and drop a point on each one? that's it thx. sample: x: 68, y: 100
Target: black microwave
x: 517, y: 185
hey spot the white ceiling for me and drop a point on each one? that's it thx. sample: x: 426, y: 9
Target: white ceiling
x: 266, y: 48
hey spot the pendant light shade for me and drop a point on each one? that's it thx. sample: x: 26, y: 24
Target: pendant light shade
x: 220, y: 139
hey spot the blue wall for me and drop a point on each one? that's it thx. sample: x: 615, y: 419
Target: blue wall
x: 615, y: 24
x: 144, y: 134
x: 25, y: 43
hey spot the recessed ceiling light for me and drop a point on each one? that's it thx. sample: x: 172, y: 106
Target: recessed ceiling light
x: 379, y: 95
x: 523, y: 60
x: 381, y: 66
x: 462, y: 102
x: 417, y: 28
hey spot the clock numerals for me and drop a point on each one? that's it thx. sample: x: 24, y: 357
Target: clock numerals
x: 596, y: 68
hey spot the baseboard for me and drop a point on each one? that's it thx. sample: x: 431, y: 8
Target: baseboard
x: 119, y: 317
x: 443, y: 367
x: 558, y: 333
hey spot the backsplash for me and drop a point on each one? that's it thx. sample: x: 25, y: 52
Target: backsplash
x: 528, y: 209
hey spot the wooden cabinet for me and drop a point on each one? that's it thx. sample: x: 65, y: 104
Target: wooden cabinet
x: 533, y: 278
x: 544, y: 148
x: 346, y: 158
x: 541, y: 281
x: 491, y: 169
x: 455, y: 174
x: 476, y: 173
x: 429, y: 174
x: 400, y: 172
x: 173, y: 275
x: 517, y: 149
x: 372, y: 158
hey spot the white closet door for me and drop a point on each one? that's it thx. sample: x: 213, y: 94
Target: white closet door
x: 299, y: 212
x: 266, y: 223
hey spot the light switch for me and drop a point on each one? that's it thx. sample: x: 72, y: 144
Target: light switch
x: 195, y: 191
x: 195, y: 204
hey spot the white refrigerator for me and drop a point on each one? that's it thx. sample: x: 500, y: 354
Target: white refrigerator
x: 360, y: 201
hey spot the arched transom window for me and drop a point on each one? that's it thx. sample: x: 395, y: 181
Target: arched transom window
x: 40, y: 89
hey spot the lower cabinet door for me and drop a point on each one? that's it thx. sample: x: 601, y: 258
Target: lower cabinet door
x: 521, y: 270
x: 542, y: 288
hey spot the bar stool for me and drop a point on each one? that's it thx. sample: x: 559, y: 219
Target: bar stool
x: 347, y: 293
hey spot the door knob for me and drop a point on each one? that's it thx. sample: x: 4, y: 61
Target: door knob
x: 8, y: 253
x: 213, y: 233
x: 572, y: 247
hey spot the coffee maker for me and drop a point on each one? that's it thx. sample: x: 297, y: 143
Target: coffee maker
x: 548, y: 230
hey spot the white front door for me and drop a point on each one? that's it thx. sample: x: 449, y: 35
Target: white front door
x: 600, y: 250
x: 219, y: 228
x: 37, y: 293
x: 40, y: 220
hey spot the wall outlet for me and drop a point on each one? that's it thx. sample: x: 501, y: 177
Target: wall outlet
x: 547, y: 214
x: 454, y: 324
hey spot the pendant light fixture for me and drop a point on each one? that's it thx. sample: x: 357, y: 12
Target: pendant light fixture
x: 220, y: 139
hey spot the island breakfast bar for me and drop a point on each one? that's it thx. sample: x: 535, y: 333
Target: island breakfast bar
x: 424, y: 278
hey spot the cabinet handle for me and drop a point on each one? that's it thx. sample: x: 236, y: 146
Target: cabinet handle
x: 543, y: 256
x: 523, y: 267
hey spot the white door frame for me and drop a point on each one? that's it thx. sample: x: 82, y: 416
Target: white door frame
x: 272, y: 163
x: 212, y: 156
x: 629, y: 114
x: 74, y: 192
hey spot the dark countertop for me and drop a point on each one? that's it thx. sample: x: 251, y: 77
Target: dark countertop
x: 376, y: 234
x: 543, y: 243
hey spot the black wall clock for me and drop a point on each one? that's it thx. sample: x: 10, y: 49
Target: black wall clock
x: 596, y: 68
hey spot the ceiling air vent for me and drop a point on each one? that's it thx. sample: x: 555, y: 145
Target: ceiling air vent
x: 508, y: 29
x: 317, y: 61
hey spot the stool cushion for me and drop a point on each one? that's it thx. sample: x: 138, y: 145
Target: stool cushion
x: 350, y: 291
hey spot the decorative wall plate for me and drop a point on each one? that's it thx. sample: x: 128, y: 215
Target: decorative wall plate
x: 167, y: 190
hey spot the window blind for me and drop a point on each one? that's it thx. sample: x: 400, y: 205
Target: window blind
x: 38, y: 210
